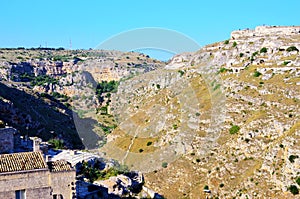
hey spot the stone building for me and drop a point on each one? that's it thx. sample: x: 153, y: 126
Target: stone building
x: 62, y: 179
x: 12, y: 142
x: 7, y: 140
x: 27, y: 175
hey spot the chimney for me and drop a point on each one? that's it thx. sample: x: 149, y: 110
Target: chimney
x: 36, y: 144
x: 46, y: 158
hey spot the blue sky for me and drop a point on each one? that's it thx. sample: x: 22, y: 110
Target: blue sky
x: 88, y: 23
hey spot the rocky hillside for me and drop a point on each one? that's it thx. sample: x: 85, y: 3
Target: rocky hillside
x: 51, y: 90
x: 222, y: 122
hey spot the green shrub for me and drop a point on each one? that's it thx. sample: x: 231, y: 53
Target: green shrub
x: 298, y: 181
x: 292, y: 158
x: 206, y: 187
x: 175, y: 126
x: 106, y: 87
x: 63, y: 58
x: 263, y: 50
x: 149, y: 143
x: 60, y: 96
x: 107, y: 129
x: 234, y: 129
x: 217, y: 87
x: 292, y: 48
x: 255, y: 53
x: 226, y: 42
x: 257, y: 74
x: 286, y: 63
x: 43, y: 79
x: 105, y: 174
x: 222, y: 70
x: 181, y: 72
x: 56, y: 143
x: 241, y: 54
x: 164, y: 164
x: 293, y: 189
x: 234, y: 44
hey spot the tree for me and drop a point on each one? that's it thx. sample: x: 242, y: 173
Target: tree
x: 234, y: 44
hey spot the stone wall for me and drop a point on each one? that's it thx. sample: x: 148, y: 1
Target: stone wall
x: 43, y: 193
x: 7, y: 140
x: 35, y: 183
x: 63, y: 183
x: 38, y: 184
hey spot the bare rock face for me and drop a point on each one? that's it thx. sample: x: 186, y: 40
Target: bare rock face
x: 266, y: 30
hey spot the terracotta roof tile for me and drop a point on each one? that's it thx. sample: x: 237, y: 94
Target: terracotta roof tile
x: 59, y: 165
x: 21, y: 162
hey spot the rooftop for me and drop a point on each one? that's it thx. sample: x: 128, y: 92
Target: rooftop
x: 21, y: 162
x: 59, y: 165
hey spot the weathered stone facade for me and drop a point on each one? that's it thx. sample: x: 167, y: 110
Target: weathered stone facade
x: 63, y: 183
x: 35, y: 183
x: 62, y: 179
x: 28, y: 172
x: 7, y: 140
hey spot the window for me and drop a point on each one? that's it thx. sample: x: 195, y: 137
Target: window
x: 20, y: 194
x: 57, y: 196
